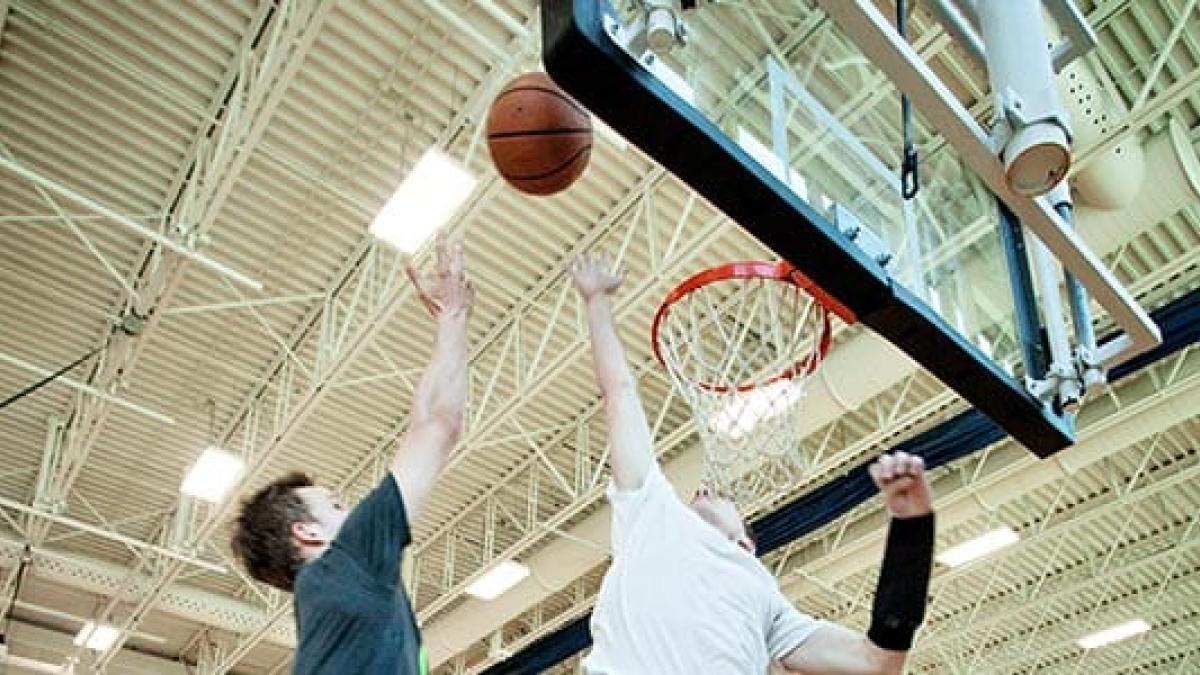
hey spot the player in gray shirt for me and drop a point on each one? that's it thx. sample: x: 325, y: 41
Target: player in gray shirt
x: 343, y: 567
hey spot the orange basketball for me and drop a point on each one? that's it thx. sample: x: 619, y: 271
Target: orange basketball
x: 539, y: 137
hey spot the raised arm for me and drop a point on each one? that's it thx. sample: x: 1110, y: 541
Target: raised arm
x: 629, y: 433
x: 899, y: 605
x: 437, y: 410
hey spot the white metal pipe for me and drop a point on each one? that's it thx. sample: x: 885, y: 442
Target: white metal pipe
x: 87, y: 389
x: 952, y: 19
x: 67, y: 616
x: 1029, y: 124
x: 1048, y: 278
x: 131, y: 224
x: 242, y: 304
x: 110, y: 535
x: 34, y: 666
x: 79, y: 217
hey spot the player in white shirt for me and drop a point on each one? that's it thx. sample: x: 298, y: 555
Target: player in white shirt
x: 685, y: 593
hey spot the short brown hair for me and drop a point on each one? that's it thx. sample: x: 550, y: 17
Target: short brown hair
x: 262, y: 534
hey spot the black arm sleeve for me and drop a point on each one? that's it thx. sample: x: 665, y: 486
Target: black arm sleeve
x: 903, y: 583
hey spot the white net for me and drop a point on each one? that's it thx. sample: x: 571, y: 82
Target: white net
x: 741, y: 351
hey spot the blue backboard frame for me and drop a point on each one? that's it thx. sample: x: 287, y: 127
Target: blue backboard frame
x: 582, y: 59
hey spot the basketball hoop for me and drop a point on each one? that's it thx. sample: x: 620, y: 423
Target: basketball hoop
x: 741, y: 342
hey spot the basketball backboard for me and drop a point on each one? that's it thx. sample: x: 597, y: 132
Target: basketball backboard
x: 798, y: 141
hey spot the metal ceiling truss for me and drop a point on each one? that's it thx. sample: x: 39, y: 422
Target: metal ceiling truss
x: 853, y: 436
x: 524, y: 321
x: 846, y: 548
x: 374, y: 462
x: 497, y: 417
x: 108, y: 579
x: 201, y: 185
x: 517, y: 324
x: 353, y: 312
x: 256, y: 81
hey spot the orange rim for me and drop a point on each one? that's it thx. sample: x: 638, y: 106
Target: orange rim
x: 781, y: 271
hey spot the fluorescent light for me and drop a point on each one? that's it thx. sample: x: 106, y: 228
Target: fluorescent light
x: 978, y: 547
x: 740, y: 417
x: 497, y: 580
x: 1114, y: 634
x: 212, y: 475
x: 426, y: 200
x: 97, y: 637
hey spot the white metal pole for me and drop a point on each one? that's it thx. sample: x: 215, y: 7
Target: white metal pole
x: 87, y: 389
x: 1061, y: 369
x: 1030, y: 127
x: 113, y: 536
x: 38, y: 179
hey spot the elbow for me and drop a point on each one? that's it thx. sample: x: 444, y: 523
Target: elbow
x: 446, y: 423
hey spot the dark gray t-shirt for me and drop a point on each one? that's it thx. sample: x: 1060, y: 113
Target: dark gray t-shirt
x: 352, y: 614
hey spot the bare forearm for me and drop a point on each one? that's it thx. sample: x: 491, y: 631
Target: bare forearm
x: 608, y: 356
x: 836, y: 650
x: 442, y: 391
x: 632, y: 447
x: 436, y: 417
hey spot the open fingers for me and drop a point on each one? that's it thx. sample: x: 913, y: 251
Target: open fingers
x: 422, y: 293
x: 442, y: 254
x: 458, y: 260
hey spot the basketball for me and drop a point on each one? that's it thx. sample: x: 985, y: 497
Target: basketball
x: 540, y: 139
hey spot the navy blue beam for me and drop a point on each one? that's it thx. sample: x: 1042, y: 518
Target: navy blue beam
x: 961, y: 436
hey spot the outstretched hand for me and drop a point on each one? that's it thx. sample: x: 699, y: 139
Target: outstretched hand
x: 901, y: 479
x: 448, y: 293
x: 593, y: 276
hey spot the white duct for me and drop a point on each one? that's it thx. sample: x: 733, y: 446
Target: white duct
x: 1109, y: 181
x: 1174, y: 182
x: 855, y: 372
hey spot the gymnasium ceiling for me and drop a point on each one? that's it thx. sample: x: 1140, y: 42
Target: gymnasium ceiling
x: 266, y: 135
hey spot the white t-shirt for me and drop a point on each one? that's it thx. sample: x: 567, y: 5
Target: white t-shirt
x: 680, y: 598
